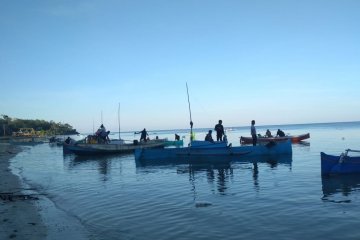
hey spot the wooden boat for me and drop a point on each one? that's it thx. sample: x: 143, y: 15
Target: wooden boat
x: 110, y: 148
x: 342, y: 164
x: 217, y: 154
x: 294, y: 139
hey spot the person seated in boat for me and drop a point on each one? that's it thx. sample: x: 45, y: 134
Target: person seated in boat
x: 143, y: 135
x: 68, y: 140
x: 208, y: 137
x: 280, y: 133
x: 268, y: 133
x: 225, y: 138
x: 177, y: 137
x: 102, y: 134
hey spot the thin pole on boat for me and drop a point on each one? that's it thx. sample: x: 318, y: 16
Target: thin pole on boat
x: 93, y: 126
x: 191, y: 122
x: 101, y: 118
x: 119, y: 120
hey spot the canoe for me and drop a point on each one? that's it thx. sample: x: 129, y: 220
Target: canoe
x: 294, y: 139
x: 187, y: 154
x: 342, y: 164
x: 174, y: 142
x: 97, y: 148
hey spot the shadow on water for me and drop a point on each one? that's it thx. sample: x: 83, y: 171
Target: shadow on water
x: 339, y: 186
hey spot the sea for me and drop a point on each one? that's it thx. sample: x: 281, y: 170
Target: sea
x: 114, y: 197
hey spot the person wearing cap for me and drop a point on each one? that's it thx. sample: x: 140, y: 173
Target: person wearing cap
x: 208, y: 137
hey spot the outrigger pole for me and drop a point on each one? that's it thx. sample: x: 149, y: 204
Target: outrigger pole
x: 119, y: 120
x: 191, y: 122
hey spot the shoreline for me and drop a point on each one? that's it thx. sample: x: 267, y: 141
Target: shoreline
x: 20, y: 218
x: 27, y: 214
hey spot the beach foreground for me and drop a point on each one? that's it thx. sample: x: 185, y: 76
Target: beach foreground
x: 26, y: 213
x: 20, y: 218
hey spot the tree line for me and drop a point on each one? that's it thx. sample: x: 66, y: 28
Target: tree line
x: 12, y: 125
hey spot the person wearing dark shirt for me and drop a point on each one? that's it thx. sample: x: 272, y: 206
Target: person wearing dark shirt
x: 143, y: 135
x: 208, y: 137
x: 219, y: 128
x: 253, y: 132
x: 280, y: 133
x: 268, y: 133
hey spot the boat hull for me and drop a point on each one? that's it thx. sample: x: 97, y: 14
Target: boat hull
x: 92, y: 149
x: 331, y: 164
x: 294, y: 139
x: 216, y: 154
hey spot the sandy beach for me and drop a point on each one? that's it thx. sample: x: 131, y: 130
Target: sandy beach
x: 20, y: 218
x: 26, y: 213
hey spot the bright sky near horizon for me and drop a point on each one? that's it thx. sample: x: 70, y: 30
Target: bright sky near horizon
x: 278, y: 62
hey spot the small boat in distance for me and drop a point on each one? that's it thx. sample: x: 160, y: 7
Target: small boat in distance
x: 342, y: 164
x: 263, y: 139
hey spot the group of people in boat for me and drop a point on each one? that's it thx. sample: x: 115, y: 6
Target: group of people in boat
x: 254, y: 136
x: 220, y: 133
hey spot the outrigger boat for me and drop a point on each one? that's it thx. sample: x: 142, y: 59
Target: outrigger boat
x: 119, y: 146
x: 263, y: 139
x: 217, y: 153
x: 331, y: 164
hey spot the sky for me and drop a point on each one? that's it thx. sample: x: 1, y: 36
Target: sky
x: 87, y: 62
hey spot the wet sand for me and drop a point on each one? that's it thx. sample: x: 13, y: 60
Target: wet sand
x: 27, y: 214
x: 19, y: 217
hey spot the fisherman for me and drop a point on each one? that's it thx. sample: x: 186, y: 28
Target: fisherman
x: 219, y: 128
x: 280, y: 133
x: 268, y: 133
x: 253, y: 132
x: 143, y: 135
x: 208, y: 137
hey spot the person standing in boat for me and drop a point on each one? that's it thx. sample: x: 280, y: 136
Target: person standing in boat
x: 253, y: 132
x: 208, y: 137
x: 280, y: 133
x: 219, y: 128
x: 143, y: 135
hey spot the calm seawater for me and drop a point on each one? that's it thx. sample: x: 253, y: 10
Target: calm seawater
x: 114, y: 198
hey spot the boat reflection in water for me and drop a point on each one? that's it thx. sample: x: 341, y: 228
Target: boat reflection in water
x: 339, y: 188
x: 218, y: 170
x: 102, y: 163
x: 218, y: 160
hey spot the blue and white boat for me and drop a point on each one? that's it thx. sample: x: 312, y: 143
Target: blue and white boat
x: 216, y: 154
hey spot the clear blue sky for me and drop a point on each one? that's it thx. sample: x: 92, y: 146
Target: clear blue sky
x: 278, y: 62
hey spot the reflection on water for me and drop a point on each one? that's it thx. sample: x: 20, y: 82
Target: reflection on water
x: 339, y: 188
x: 272, y: 160
x: 218, y: 174
x: 102, y: 163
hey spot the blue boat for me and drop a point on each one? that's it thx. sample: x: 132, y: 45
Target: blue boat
x: 81, y: 148
x: 342, y: 164
x: 215, y: 154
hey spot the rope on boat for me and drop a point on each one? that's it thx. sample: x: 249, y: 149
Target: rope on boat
x: 343, y: 155
x: 349, y: 150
